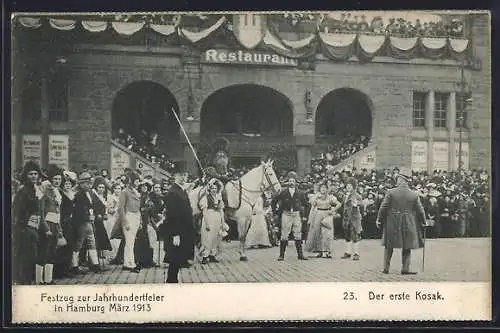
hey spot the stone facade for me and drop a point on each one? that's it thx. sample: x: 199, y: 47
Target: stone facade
x: 98, y: 74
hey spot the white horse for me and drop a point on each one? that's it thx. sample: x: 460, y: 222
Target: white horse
x: 242, y: 195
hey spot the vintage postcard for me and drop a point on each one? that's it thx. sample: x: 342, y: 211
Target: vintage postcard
x: 251, y: 166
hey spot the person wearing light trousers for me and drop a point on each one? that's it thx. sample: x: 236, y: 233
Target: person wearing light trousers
x: 129, y: 216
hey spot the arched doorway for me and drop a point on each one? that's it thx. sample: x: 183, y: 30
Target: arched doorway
x: 253, y: 118
x: 343, y: 113
x: 143, y: 109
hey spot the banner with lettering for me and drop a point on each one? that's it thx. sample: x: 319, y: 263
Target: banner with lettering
x: 32, y: 148
x: 419, y: 155
x: 465, y: 155
x: 120, y: 160
x: 58, y: 151
x: 440, y: 155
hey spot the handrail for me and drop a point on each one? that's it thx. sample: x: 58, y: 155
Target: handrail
x: 157, y: 169
x: 348, y: 161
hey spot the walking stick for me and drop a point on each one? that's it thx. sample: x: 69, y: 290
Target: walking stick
x: 423, y: 253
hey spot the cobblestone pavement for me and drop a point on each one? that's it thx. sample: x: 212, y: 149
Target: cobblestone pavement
x: 466, y: 259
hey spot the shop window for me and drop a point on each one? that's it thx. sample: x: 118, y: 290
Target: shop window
x: 419, y: 103
x: 440, y: 110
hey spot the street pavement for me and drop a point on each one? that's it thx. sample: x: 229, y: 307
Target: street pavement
x: 449, y: 259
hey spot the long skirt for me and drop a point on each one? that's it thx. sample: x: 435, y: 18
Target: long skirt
x: 25, y: 255
x: 320, y: 235
x: 47, y: 245
x: 210, y: 238
x: 258, y: 233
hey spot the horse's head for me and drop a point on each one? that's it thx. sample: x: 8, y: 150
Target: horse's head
x: 270, y: 180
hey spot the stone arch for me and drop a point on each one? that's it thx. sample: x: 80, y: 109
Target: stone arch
x: 342, y: 112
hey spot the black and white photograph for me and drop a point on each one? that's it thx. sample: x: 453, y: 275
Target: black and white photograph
x: 250, y: 147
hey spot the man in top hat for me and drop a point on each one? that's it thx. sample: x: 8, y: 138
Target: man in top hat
x: 401, y: 216
x: 83, y: 217
x: 178, y: 232
x: 290, y: 204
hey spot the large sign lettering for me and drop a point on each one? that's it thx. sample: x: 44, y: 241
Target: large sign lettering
x: 120, y: 160
x: 440, y: 155
x: 419, y: 155
x: 32, y: 148
x: 246, y: 58
x: 58, y: 151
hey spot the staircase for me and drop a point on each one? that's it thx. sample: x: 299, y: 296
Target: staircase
x: 363, y: 159
x: 122, y: 157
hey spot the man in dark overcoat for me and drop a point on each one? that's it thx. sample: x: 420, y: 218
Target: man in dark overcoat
x: 178, y: 231
x: 401, y: 215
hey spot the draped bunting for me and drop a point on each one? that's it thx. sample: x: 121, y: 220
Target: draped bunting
x: 370, y: 46
x: 292, y: 44
x: 165, y: 30
x: 127, y: 28
x: 195, y: 37
x: 61, y: 24
x: 95, y: 26
x: 30, y: 22
x: 274, y: 43
x: 459, y: 45
x: 337, y: 40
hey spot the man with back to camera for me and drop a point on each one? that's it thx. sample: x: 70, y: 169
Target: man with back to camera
x: 400, y: 215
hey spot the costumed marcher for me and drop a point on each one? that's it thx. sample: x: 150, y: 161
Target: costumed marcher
x: 129, y: 221
x: 401, y: 216
x: 83, y: 218
x: 212, y: 209
x: 26, y: 217
x: 321, y: 227
x: 179, y: 229
x: 64, y: 253
x: 351, y: 220
x: 113, y: 199
x: 258, y: 234
x: 289, y: 206
x: 99, y: 196
x: 143, y: 249
x: 156, y: 215
x: 50, y: 206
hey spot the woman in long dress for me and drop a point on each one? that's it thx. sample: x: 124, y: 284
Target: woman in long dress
x: 212, y: 221
x: 258, y: 234
x: 101, y: 215
x: 321, y: 226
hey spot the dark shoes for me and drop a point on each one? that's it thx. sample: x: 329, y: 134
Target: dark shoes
x: 204, y: 261
x: 408, y: 273
x: 212, y: 259
x: 355, y: 256
x: 281, y: 258
x: 385, y: 271
x: 303, y: 258
x: 346, y: 256
x: 132, y: 269
x: 243, y: 258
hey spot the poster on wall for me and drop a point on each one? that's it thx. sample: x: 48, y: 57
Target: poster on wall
x: 465, y: 155
x: 32, y: 148
x: 58, y: 151
x: 145, y: 169
x: 419, y: 155
x: 120, y: 160
x: 440, y: 155
x: 367, y: 161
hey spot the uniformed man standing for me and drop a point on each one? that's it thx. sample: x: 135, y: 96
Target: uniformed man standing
x: 401, y: 216
x: 289, y: 204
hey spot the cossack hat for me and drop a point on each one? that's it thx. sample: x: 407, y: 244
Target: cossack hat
x: 30, y: 166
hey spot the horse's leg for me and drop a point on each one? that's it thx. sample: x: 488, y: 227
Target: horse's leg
x: 243, y: 227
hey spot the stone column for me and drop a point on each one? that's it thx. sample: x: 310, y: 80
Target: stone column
x: 44, y: 120
x: 429, y: 115
x: 452, y: 116
x: 303, y: 160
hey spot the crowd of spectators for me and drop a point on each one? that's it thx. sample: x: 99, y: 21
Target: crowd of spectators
x: 342, y: 149
x: 145, y: 146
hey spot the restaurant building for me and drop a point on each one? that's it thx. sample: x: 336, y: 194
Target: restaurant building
x: 252, y: 80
